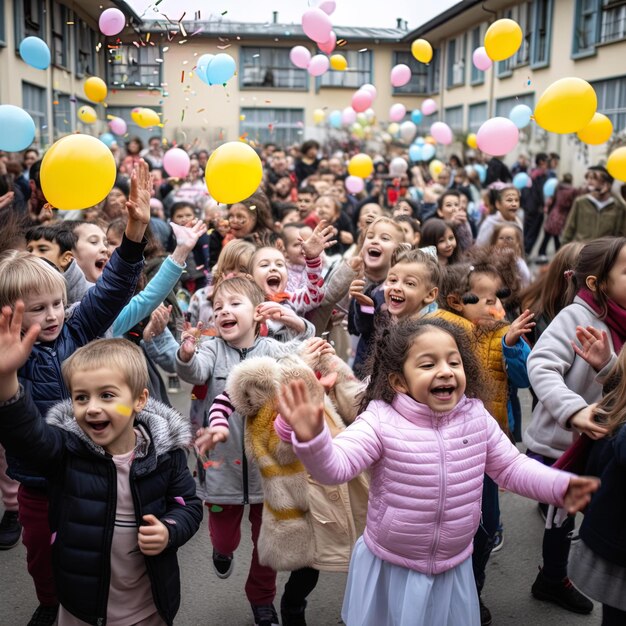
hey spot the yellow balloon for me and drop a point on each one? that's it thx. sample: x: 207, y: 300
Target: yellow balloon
x: 503, y: 39
x: 134, y: 115
x: 357, y: 131
x: 566, y: 106
x: 597, y: 131
x: 338, y: 62
x: 422, y: 50
x: 393, y: 128
x: 233, y: 172
x: 431, y: 140
x: 87, y: 114
x: 146, y: 118
x: 616, y: 164
x: 77, y: 172
x: 360, y: 165
x: 435, y: 167
x: 95, y: 89
x: 471, y: 141
x: 319, y: 116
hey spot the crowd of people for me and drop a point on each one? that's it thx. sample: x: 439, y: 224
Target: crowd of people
x: 354, y: 358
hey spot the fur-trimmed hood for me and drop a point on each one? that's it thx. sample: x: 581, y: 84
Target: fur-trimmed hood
x: 166, y: 427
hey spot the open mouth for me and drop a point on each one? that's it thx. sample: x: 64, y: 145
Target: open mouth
x: 375, y: 253
x: 396, y: 300
x: 273, y: 282
x: 100, y: 263
x: 98, y: 426
x: 51, y: 329
x: 443, y: 393
x: 228, y: 324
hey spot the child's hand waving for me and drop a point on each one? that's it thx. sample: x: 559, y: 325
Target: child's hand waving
x: 158, y: 321
x: 280, y: 313
x: 138, y: 204
x: 584, y: 421
x: 208, y: 438
x: 579, y: 492
x: 594, y: 346
x: 189, y: 340
x: 186, y: 238
x: 320, y: 239
x: 153, y: 536
x: 295, y: 406
x: 522, y: 325
x: 356, y: 291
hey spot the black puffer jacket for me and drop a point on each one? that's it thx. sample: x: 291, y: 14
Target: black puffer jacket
x: 82, y: 486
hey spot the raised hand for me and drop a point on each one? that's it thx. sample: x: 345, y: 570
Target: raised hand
x: 186, y: 238
x: 295, y: 406
x: 584, y: 421
x: 594, y: 346
x: 153, y: 536
x: 356, y: 291
x: 320, y: 239
x: 313, y: 349
x: 579, y: 492
x: 158, y: 322
x: 522, y: 325
x: 189, y: 341
x: 138, y: 204
x: 208, y: 438
x: 280, y: 313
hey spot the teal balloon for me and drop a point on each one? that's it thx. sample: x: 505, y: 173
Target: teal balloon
x: 520, y: 115
x: 428, y: 151
x: 107, y: 139
x: 201, y: 67
x: 521, y: 180
x: 549, y: 187
x: 221, y: 69
x: 417, y: 116
x: 482, y: 172
x: 415, y: 153
x: 334, y: 119
x: 35, y: 52
x: 18, y: 128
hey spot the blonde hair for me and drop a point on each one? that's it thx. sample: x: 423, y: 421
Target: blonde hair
x: 120, y: 355
x: 236, y: 254
x: 384, y: 219
x: 243, y: 286
x: 23, y: 274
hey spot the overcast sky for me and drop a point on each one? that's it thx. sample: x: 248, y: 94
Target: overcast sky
x: 381, y: 13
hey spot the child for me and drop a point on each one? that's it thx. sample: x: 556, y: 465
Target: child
x: 328, y: 209
x: 411, y: 228
x: 367, y: 214
x: 231, y: 481
x: 293, y: 236
x: 507, y: 204
x: 306, y: 201
x: 249, y: 217
x: 409, y: 568
x: 565, y: 386
x: 122, y: 500
x: 597, y: 562
x: 440, y: 234
x: 42, y: 289
x: 510, y: 237
x: 90, y: 250
x: 449, y: 209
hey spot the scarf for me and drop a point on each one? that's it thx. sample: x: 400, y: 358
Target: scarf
x: 615, y: 317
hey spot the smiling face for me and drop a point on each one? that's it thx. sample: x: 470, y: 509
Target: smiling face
x: 369, y: 212
x: 402, y: 208
x: 91, y: 252
x: 269, y: 270
x: 242, y: 221
x: 381, y: 239
x: 105, y: 408
x: 294, y: 254
x: 326, y: 209
x: 408, y: 289
x: 508, y: 204
x: 48, y: 311
x: 433, y: 372
x: 488, y: 310
x: 446, y: 245
x: 450, y: 206
x: 235, y: 318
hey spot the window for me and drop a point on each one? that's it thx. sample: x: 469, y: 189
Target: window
x: 424, y: 78
x: 62, y: 113
x: 522, y: 14
x: 476, y: 115
x: 477, y: 77
x: 34, y: 103
x: 612, y: 100
x: 60, y: 35
x: 131, y: 67
x: 85, y: 49
x: 29, y: 20
x: 456, y: 61
x: 541, y: 37
x: 453, y: 117
x: 585, y: 29
x: 613, y: 26
x: 358, y: 73
x: 281, y: 126
x: 133, y: 130
x: 3, y: 37
x: 270, y: 68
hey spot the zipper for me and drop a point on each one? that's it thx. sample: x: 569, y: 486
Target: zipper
x: 109, y: 530
x: 243, y: 353
x: 443, y: 477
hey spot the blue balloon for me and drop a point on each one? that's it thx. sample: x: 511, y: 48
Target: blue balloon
x: 18, y: 128
x: 220, y: 69
x: 521, y: 180
x: 428, y: 151
x: 417, y: 116
x: 420, y: 141
x: 334, y: 119
x: 202, y: 65
x: 520, y: 115
x: 549, y: 187
x: 107, y: 139
x: 482, y: 172
x: 415, y: 153
x: 35, y: 52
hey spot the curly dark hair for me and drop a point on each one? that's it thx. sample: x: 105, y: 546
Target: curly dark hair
x: 390, y: 352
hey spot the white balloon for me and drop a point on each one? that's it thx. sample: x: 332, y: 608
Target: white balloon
x: 407, y: 131
x: 398, y: 167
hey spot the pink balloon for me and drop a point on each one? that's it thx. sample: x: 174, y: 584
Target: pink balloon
x: 397, y: 112
x: 400, y: 75
x: 429, y: 106
x: 371, y: 89
x: 361, y: 100
x: 328, y: 46
x: 316, y: 25
x: 481, y: 60
x: 328, y: 6
x: 318, y: 65
x: 497, y: 136
x: 176, y: 163
x: 354, y: 184
x: 300, y: 57
x: 118, y: 126
x: 111, y: 22
x: 348, y: 116
x: 441, y: 133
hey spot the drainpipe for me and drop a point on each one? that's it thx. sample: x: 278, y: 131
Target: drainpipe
x: 49, y: 86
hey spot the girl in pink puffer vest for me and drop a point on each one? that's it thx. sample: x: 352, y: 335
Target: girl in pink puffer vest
x: 428, y: 441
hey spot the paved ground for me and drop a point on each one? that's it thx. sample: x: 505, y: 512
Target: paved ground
x: 207, y: 600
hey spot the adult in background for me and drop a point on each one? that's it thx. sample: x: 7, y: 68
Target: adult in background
x: 497, y: 171
x: 533, y: 201
x: 153, y: 154
x: 308, y: 162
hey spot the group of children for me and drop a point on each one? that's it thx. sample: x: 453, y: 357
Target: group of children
x: 425, y: 421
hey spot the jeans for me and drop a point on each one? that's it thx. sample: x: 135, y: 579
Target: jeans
x: 485, y: 535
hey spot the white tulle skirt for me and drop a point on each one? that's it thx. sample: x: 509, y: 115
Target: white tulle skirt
x: 378, y: 592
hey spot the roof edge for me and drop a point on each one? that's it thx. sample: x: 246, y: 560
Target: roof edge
x: 440, y: 19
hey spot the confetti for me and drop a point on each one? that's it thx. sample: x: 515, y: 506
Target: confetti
x: 216, y: 509
x: 53, y: 538
x: 124, y: 410
x: 180, y: 500
x: 224, y: 12
x: 227, y: 45
x: 182, y: 76
x: 342, y: 42
x: 183, y: 32
x: 199, y: 110
x: 363, y: 50
x: 182, y: 41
